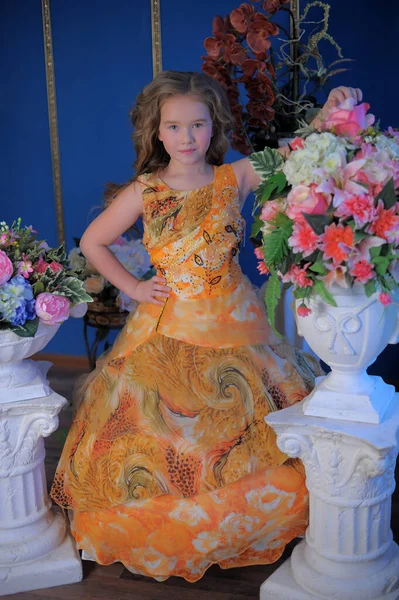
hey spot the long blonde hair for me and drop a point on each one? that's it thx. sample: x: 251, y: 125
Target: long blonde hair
x: 146, y: 115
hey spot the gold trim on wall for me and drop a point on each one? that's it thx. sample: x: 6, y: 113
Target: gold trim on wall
x: 156, y: 37
x: 53, y: 122
x: 52, y: 103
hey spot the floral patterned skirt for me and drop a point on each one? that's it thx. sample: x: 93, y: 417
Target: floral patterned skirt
x: 169, y: 466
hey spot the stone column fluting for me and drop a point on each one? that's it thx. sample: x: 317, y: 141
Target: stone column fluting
x: 35, y: 549
x: 349, y: 552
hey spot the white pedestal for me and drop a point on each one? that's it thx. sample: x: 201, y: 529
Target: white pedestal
x: 35, y: 549
x: 348, y: 553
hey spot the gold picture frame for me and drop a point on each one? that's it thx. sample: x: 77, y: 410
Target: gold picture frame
x: 52, y: 101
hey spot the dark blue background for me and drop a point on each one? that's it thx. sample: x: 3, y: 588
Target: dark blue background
x: 102, y: 57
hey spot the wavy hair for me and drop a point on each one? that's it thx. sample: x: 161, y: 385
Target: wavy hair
x: 145, y: 117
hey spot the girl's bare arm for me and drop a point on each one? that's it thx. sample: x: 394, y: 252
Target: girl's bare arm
x: 121, y: 214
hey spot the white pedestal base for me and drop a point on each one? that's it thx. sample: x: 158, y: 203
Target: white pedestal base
x: 348, y: 553
x: 60, y: 567
x: 368, y: 405
x: 282, y: 586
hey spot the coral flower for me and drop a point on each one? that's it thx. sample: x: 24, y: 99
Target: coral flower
x: 362, y: 271
x: 303, y: 310
x: 262, y: 268
x: 385, y: 224
x: 337, y: 240
x: 303, y: 238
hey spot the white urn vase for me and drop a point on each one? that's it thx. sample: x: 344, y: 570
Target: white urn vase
x: 349, y: 338
x: 21, y: 379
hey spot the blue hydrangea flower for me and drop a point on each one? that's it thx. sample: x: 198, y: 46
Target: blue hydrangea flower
x: 17, y: 304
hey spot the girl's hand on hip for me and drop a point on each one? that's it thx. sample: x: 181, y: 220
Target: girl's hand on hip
x: 153, y: 290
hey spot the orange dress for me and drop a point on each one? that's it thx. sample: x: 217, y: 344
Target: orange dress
x: 169, y: 466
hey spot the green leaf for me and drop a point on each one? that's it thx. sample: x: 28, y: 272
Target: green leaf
x: 318, y: 222
x: 38, y: 288
x: 27, y: 330
x: 318, y: 267
x: 268, y: 188
x: 301, y: 293
x: 256, y: 226
x: 73, y: 289
x: 360, y: 235
x: 375, y: 251
x: 387, y: 195
x: 275, y: 243
x: 322, y: 291
x: 369, y: 287
x: 266, y: 163
x: 381, y: 264
x: 272, y: 296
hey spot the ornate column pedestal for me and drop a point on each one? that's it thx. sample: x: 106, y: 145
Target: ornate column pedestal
x: 35, y: 549
x: 348, y: 553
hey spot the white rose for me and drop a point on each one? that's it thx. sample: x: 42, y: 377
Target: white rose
x: 76, y: 259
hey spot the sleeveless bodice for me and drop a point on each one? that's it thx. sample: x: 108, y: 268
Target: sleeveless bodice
x: 193, y: 238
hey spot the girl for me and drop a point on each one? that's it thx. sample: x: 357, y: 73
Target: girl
x: 169, y: 465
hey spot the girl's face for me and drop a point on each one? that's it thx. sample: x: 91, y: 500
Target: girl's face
x: 185, y: 129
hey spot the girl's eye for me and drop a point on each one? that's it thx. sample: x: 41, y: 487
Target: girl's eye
x: 173, y: 127
x: 197, y: 124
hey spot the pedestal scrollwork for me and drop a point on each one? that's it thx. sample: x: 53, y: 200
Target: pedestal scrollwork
x: 349, y: 552
x: 35, y: 551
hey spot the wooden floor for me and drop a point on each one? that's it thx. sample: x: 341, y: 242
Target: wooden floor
x: 115, y: 582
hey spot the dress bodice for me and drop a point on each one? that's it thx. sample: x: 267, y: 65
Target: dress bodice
x: 193, y: 238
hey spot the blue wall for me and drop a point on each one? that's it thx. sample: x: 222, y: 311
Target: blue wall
x: 102, y: 54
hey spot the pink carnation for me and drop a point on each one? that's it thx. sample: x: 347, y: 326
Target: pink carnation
x: 259, y: 253
x: 348, y: 119
x: 304, y: 199
x: 361, y: 208
x: 303, y: 238
x: 385, y: 298
x: 6, y: 267
x: 270, y: 210
x: 297, y: 276
x: 52, y: 309
x: 362, y: 271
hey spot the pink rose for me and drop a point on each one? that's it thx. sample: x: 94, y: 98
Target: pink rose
x: 55, y: 267
x: 41, y: 265
x: 305, y: 199
x: 348, y: 118
x: 6, y: 267
x: 52, y: 309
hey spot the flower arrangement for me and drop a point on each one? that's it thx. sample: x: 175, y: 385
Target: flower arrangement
x: 271, y: 86
x: 330, y: 213
x: 131, y: 254
x: 36, y: 282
